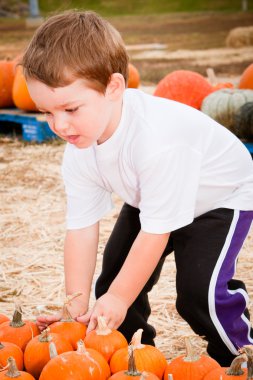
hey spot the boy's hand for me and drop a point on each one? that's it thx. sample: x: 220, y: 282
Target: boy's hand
x: 76, y: 308
x: 111, y: 307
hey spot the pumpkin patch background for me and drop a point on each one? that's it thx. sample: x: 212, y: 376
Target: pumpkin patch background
x: 32, y: 207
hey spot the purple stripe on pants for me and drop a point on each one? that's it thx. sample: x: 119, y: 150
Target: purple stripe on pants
x: 230, y: 305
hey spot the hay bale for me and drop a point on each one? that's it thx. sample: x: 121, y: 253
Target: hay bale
x: 239, y: 37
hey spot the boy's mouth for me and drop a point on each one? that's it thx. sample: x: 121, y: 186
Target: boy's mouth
x: 72, y: 139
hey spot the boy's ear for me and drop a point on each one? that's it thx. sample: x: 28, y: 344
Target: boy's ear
x: 116, y: 86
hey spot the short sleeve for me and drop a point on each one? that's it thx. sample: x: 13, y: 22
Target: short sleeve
x: 168, y: 186
x: 87, y: 202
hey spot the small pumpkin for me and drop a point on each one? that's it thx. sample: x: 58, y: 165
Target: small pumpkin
x: 67, y: 327
x: 36, y: 354
x: 184, y: 86
x: 244, y: 121
x: 13, y: 372
x: 234, y: 372
x: 148, y: 358
x: 18, y: 331
x: 132, y: 371
x: 133, y: 76
x: 81, y: 364
x: 191, y: 366
x: 222, y: 105
x: 20, y: 94
x: 246, y: 79
x: 7, y: 69
x: 8, y: 349
x: 3, y: 318
x: 105, y: 340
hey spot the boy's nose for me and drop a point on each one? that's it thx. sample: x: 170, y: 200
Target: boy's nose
x: 60, y: 125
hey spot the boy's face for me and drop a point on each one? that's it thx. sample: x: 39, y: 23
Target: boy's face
x: 77, y: 113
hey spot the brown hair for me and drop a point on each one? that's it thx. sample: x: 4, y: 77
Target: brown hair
x: 72, y: 45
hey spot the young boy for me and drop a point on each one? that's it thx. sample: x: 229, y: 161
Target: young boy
x: 187, y: 184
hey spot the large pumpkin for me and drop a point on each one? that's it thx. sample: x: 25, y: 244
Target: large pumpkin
x: 18, y: 331
x: 246, y: 79
x: 8, y: 349
x: 67, y: 327
x: 105, y: 340
x: 148, y: 358
x: 191, y: 366
x: 133, y: 76
x: 36, y: 354
x: 80, y: 364
x: 222, y: 105
x: 132, y: 371
x: 7, y: 69
x: 234, y: 372
x: 184, y: 86
x: 244, y: 121
x: 20, y: 94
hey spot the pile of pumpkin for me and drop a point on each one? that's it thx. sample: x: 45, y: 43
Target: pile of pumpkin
x: 66, y: 352
x: 230, y: 105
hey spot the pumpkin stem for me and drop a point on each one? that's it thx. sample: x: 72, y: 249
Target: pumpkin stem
x: 81, y: 349
x: 1, y: 346
x: 191, y: 356
x: 235, y: 368
x: 136, y: 339
x: 248, y: 350
x: 102, y: 328
x: 66, y: 316
x: 12, y: 368
x: 17, y: 317
x: 45, y: 336
x: 52, y: 350
x: 132, y: 371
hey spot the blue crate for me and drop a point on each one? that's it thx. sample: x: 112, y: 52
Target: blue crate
x: 249, y: 146
x: 34, y: 126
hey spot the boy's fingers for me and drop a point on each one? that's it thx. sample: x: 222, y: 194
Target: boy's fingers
x: 84, y: 318
x: 92, y: 325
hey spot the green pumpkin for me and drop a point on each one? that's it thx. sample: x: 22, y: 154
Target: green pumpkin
x: 244, y: 121
x: 223, y: 105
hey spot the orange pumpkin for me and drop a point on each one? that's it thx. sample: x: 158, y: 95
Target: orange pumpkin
x: 18, y: 331
x: 105, y: 340
x: 246, y: 79
x: 132, y: 371
x: 13, y: 372
x: 190, y: 366
x: 148, y: 358
x: 184, y: 86
x: 234, y: 372
x: 36, y: 354
x: 6, y: 83
x: 133, y: 76
x: 81, y: 364
x: 8, y: 349
x: 20, y: 94
x: 67, y: 327
x: 3, y: 318
x: 221, y: 85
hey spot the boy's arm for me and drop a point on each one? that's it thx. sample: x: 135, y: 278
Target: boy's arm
x: 140, y: 263
x: 80, y: 252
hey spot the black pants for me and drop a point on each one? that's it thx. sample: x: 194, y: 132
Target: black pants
x: 208, y: 297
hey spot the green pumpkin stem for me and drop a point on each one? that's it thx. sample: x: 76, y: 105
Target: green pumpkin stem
x: 132, y: 371
x: 191, y: 356
x: 17, y: 317
x: 66, y: 316
x: 45, y: 336
x: 12, y: 368
x: 235, y: 368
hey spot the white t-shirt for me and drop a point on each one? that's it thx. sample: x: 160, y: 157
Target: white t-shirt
x: 171, y: 161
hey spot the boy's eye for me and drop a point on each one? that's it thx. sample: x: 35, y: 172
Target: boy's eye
x: 70, y: 110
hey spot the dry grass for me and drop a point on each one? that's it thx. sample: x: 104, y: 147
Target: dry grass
x: 31, y: 243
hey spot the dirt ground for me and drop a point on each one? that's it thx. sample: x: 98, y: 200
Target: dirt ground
x: 32, y: 207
